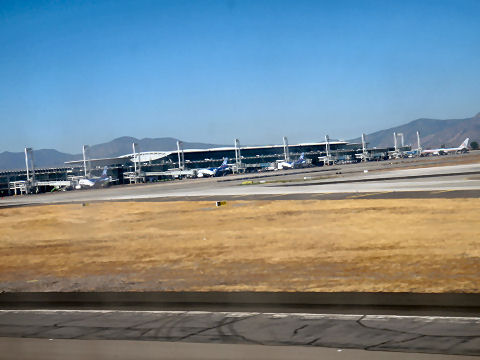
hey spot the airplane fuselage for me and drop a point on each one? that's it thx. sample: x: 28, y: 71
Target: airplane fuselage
x: 441, y: 151
x: 93, y: 183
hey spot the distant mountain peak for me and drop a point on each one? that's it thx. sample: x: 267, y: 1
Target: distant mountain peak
x: 124, y: 138
x: 433, y: 132
x: 118, y: 146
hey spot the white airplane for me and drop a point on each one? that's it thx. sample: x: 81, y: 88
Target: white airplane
x: 218, y: 171
x: 96, y: 182
x: 461, y: 148
x: 292, y: 164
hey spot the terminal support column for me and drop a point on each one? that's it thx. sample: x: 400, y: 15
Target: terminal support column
x: 135, y: 159
x: 364, y: 148
x: 238, y: 156
x: 86, y: 161
x: 29, y: 161
x: 181, y: 155
x: 327, y: 148
x: 286, y: 152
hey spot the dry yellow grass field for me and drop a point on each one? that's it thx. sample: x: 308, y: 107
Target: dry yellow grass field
x: 342, y: 245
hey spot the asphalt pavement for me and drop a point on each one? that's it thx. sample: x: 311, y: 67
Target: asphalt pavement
x: 60, y: 349
x: 419, y: 334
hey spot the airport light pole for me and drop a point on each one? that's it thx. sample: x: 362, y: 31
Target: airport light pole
x: 286, y: 152
x: 395, y: 141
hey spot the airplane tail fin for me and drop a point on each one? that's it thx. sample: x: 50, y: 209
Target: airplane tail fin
x: 465, y: 143
x: 302, y: 156
x: 104, y: 173
x: 225, y: 160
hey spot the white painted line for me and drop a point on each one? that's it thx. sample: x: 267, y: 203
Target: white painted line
x: 246, y: 314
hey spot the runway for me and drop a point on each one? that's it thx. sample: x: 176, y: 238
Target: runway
x: 455, y: 181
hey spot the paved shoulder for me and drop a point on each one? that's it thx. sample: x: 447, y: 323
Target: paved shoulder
x: 422, y: 334
x: 60, y: 349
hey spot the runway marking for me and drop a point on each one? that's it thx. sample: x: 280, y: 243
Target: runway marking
x: 366, y: 194
x: 441, y: 191
x: 429, y: 318
x: 384, y: 192
x: 318, y: 196
x: 276, y: 195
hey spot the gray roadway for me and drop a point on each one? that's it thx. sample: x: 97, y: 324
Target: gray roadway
x: 60, y: 349
x: 420, y: 334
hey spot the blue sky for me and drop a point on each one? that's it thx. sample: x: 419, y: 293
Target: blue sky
x: 85, y: 72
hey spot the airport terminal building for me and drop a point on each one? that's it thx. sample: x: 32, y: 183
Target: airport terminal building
x: 161, y: 165
x: 251, y: 157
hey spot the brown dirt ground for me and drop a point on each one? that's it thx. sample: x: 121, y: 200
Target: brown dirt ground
x: 343, y: 245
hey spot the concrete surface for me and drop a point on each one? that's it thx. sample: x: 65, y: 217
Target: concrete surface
x: 420, y: 334
x: 53, y: 349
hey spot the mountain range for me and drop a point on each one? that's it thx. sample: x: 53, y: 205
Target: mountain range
x: 123, y: 145
x: 117, y: 147
x: 433, y: 133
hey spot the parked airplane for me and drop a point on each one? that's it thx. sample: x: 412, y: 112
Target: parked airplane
x: 292, y: 164
x: 95, y: 182
x: 412, y: 153
x: 218, y: 171
x: 441, y: 151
